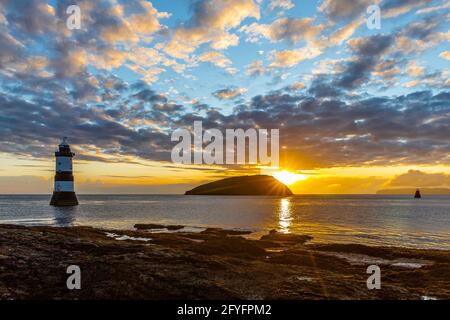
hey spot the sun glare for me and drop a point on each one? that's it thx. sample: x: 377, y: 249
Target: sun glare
x: 288, y: 178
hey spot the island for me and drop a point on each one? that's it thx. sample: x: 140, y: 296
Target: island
x: 257, y: 185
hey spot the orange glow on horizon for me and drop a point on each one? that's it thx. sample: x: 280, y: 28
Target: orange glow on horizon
x: 288, y: 177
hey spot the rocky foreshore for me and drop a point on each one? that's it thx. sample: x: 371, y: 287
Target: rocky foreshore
x: 212, y: 264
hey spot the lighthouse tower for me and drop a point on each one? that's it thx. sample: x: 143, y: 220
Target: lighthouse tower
x: 64, y: 193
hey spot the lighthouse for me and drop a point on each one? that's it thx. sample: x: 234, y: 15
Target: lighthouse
x: 64, y: 192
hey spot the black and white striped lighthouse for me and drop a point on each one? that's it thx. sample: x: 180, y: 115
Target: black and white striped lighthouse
x: 64, y: 192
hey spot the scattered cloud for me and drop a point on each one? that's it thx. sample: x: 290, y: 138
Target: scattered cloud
x: 296, y: 86
x: 256, y: 68
x: 395, y: 8
x: 368, y: 52
x: 414, y: 70
x: 211, y: 24
x: 427, y: 10
x: 289, y: 29
x: 445, y: 55
x: 417, y: 178
x: 345, y: 9
x: 216, y: 58
x: 281, y: 4
x: 230, y: 93
x: 289, y: 58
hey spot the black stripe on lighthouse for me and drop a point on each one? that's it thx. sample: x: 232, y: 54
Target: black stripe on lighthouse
x: 64, y: 176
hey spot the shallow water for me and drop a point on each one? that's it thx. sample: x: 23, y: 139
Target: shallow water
x: 367, y: 219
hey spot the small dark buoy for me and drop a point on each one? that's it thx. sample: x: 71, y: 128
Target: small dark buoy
x: 417, y: 194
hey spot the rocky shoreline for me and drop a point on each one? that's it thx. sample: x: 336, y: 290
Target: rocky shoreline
x: 212, y: 264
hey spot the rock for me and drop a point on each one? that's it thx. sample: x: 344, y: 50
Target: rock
x: 224, y: 233
x: 174, y: 227
x: 234, y: 246
x: 221, y: 267
x: 285, y: 237
x: 149, y: 226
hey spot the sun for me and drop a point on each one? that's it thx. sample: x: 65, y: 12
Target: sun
x: 288, y: 178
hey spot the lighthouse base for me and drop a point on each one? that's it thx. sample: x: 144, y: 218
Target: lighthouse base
x: 64, y: 199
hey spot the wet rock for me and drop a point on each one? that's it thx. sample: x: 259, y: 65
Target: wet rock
x: 33, y: 265
x: 285, y: 237
x: 150, y: 226
x: 223, y: 232
x: 233, y: 246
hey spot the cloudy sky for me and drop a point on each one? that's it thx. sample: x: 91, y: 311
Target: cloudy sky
x: 358, y: 109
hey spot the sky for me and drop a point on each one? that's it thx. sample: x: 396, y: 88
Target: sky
x: 359, y: 109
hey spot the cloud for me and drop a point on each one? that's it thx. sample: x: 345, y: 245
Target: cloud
x: 281, y: 4
x: 349, y: 9
x: 322, y: 87
x: 256, y: 68
x: 412, y: 83
x: 367, y: 54
x: 211, y: 23
x: 296, y: 86
x: 334, y: 132
x: 345, y: 9
x: 395, y: 8
x: 111, y: 125
x: 380, y: 60
x: 216, y: 58
x: 421, y: 29
x: 388, y: 69
x: 319, y: 128
x: 437, y: 79
x: 421, y: 35
x: 427, y: 10
x: 12, y: 49
x: 230, y: 93
x: 445, y: 55
x: 34, y: 17
x: 417, y: 178
x: 289, y: 29
x: 342, y: 34
x: 112, y: 35
x: 289, y: 58
x: 114, y: 25
x: 415, y: 70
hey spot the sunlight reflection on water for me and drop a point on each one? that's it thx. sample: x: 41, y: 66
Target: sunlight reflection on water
x: 285, y: 215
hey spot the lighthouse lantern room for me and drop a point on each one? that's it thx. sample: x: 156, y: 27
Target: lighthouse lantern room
x: 64, y: 192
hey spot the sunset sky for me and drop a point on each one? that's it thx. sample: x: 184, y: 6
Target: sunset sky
x: 358, y: 109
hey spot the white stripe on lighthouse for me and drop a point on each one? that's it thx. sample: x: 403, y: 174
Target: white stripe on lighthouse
x: 63, y: 164
x: 64, y: 186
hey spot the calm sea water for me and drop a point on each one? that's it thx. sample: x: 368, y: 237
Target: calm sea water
x: 371, y: 219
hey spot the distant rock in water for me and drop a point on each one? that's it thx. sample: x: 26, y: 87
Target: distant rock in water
x: 260, y: 185
x: 417, y: 194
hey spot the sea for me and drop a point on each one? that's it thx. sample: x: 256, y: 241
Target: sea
x: 366, y: 219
